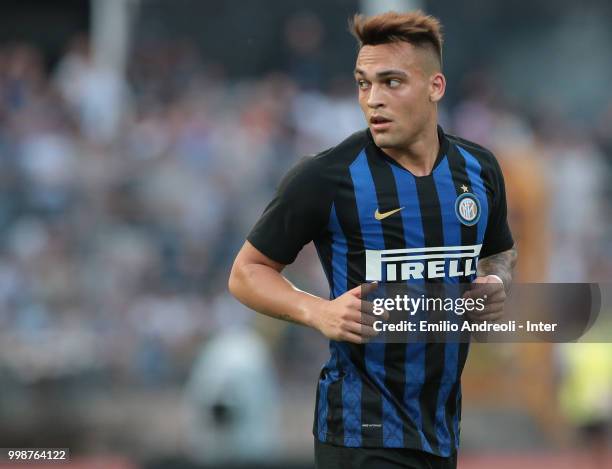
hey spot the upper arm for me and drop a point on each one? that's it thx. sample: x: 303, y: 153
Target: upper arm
x: 507, y: 257
x: 297, y: 214
x: 498, y: 237
x: 249, y: 255
x: 247, y: 258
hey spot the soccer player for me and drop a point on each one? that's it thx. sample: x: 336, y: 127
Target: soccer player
x: 402, y: 184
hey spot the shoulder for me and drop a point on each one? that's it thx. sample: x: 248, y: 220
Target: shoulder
x: 473, y: 148
x: 316, y: 167
x: 343, y: 153
x: 318, y: 172
x: 485, y: 157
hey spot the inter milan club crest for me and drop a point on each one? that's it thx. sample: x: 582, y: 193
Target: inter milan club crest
x: 467, y: 208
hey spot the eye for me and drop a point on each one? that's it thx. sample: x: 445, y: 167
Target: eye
x: 393, y: 83
x: 362, y: 84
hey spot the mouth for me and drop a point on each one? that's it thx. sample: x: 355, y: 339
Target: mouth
x: 379, y: 122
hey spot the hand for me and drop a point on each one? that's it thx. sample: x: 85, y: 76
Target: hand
x: 491, y: 288
x: 348, y: 318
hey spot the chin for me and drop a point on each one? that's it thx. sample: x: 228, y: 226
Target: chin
x: 384, y: 141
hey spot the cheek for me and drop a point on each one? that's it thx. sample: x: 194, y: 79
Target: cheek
x: 363, y: 100
x: 406, y: 103
x: 412, y: 102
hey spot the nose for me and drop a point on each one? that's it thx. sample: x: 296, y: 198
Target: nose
x: 375, y: 97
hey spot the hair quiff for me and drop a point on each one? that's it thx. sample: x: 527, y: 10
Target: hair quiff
x: 414, y: 27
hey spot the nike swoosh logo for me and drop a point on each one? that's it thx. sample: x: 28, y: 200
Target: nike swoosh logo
x: 382, y: 216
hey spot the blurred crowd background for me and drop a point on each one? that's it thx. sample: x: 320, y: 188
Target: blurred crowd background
x: 128, y: 185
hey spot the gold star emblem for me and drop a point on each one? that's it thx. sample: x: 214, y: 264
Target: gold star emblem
x: 464, y: 188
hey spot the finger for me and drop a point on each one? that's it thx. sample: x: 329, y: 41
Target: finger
x: 480, y: 280
x: 368, y: 320
x: 488, y: 315
x: 356, y: 292
x: 366, y: 307
x: 368, y: 288
x: 364, y: 289
x: 495, y: 301
x: 494, y: 304
x: 369, y: 332
x: 379, y: 315
x: 492, y: 317
x: 487, y: 292
x: 495, y: 289
x: 488, y: 309
x: 352, y: 337
x: 475, y: 289
x: 352, y: 315
x: 360, y: 308
x: 481, y: 290
x: 362, y: 330
x: 483, y: 282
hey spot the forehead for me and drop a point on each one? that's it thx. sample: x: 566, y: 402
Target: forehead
x: 395, y: 55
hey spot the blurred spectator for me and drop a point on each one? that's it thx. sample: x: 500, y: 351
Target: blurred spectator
x: 586, y: 397
x: 232, y: 402
x: 304, y: 35
x: 96, y: 95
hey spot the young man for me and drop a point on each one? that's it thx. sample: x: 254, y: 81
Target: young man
x: 402, y: 184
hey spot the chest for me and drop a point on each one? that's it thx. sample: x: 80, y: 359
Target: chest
x: 400, y: 226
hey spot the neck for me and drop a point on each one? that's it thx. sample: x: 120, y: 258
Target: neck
x: 419, y: 156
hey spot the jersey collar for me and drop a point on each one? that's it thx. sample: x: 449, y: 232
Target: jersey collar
x: 442, y: 151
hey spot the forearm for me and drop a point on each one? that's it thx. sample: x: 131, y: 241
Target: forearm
x: 266, y: 291
x: 501, y: 264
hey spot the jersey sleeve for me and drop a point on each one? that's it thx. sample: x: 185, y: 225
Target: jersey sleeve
x: 297, y: 214
x: 498, y: 237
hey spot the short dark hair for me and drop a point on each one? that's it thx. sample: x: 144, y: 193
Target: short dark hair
x: 416, y: 28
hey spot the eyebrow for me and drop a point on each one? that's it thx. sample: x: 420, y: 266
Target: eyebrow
x: 384, y: 73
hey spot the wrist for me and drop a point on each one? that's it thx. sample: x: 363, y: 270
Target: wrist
x: 312, y: 307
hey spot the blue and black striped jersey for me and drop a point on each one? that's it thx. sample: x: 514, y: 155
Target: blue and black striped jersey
x: 390, y: 394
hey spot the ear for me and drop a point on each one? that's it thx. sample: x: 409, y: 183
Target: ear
x: 437, y: 87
